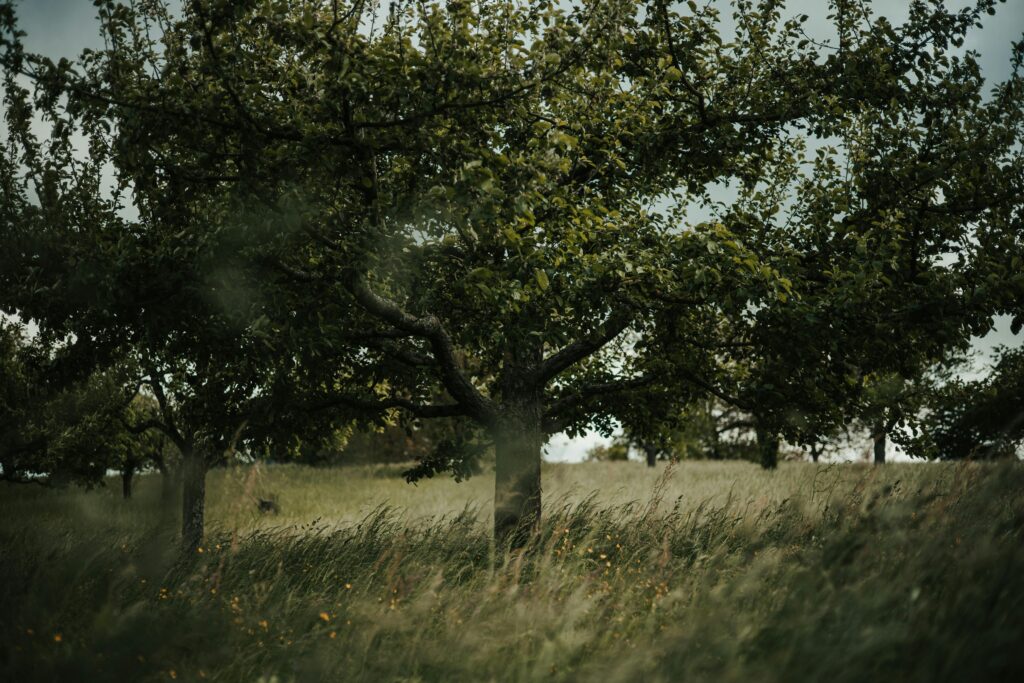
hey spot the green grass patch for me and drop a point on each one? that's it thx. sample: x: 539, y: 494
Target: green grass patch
x: 711, y: 571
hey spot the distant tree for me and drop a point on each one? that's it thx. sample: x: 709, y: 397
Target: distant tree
x: 616, y: 451
x: 976, y: 419
x: 56, y: 429
x: 142, y: 447
x: 885, y: 238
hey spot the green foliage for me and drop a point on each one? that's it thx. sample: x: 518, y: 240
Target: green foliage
x: 834, y: 573
x: 55, y: 429
x: 485, y: 211
x: 441, y: 203
x: 980, y: 419
x: 616, y: 451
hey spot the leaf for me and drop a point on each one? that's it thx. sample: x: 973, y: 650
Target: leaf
x: 542, y: 279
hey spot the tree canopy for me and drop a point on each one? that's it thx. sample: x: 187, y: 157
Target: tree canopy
x: 481, y: 211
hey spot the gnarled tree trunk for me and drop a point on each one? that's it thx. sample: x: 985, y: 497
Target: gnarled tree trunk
x: 518, y: 440
x: 193, y: 498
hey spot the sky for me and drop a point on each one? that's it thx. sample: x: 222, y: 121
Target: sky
x: 63, y: 28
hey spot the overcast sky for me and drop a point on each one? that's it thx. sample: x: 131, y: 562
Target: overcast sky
x: 62, y: 28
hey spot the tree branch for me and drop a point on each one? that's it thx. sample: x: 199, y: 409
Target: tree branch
x: 555, y: 414
x: 168, y: 426
x: 715, y: 391
x: 475, y: 404
x: 617, y: 321
x: 417, y: 409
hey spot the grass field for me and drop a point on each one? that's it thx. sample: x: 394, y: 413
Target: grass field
x: 702, y: 571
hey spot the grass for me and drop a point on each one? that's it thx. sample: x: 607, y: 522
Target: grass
x: 707, y: 571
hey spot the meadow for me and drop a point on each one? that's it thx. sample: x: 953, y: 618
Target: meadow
x: 692, y: 572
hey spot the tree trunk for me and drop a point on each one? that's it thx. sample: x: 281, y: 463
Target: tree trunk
x: 652, y: 455
x: 517, y: 493
x: 880, y: 443
x: 170, y: 495
x: 768, y: 449
x: 127, y: 474
x: 193, y: 497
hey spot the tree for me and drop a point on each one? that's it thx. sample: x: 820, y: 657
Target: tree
x: 453, y: 207
x: 147, y: 296
x: 616, y: 451
x: 976, y: 419
x: 886, y: 244
x: 55, y: 429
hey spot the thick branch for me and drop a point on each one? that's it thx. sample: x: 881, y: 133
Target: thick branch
x: 475, y: 404
x: 402, y: 355
x: 144, y: 426
x: 585, y: 346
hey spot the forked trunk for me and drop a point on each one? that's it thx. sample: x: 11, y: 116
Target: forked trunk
x: 127, y: 474
x: 193, y: 497
x: 517, y: 492
x: 880, y: 443
x: 768, y: 449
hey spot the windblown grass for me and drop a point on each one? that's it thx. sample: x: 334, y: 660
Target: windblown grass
x: 711, y: 572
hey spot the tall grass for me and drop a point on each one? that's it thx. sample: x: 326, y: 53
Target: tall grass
x: 705, y: 572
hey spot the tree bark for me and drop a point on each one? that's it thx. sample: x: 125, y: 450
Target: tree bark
x: 652, y: 455
x: 127, y: 474
x: 193, y: 497
x: 880, y: 443
x: 170, y: 497
x: 768, y: 449
x: 518, y: 440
